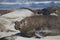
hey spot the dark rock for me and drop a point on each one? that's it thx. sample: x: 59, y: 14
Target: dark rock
x: 2, y: 12
x: 8, y: 38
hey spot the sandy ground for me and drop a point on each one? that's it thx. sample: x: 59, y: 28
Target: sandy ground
x: 45, y: 38
x: 4, y: 34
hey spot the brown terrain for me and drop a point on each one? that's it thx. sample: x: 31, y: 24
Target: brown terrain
x: 2, y: 12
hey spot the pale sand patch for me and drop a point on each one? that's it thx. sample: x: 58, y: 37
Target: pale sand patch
x: 7, y: 23
x: 4, y: 34
x: 45, y: 38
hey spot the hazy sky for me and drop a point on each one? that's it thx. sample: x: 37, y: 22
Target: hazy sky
x: 24, y: 0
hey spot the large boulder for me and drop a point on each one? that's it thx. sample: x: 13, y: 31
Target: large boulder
x: 18, y: 14
x: 50, y: 10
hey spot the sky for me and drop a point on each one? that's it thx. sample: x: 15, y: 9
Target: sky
x: 24, y: 0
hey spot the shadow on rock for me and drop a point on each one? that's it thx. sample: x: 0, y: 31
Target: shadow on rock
x: 13, y: 37
x: 21, y: 34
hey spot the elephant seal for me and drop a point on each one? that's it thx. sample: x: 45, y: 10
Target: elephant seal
x: 39, y: 26
x: 28, y: 25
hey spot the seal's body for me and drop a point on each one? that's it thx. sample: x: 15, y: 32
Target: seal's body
x: 29, y: 24
x: 39, y: 26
